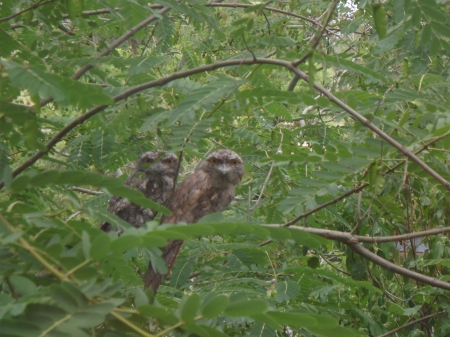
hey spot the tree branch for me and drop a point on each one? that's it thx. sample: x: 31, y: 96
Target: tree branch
x: 36, y: 5
x: 222, y: 64
x: 314, y: 44
x: 353, y: 242
x: 272, y: 9
x: 360, y: 250
x: 412, y: 323
x: 85, y: 190
x: 112, y: 47
x: 367, y: 123
x: 318, y: 36
x: 348, y: 237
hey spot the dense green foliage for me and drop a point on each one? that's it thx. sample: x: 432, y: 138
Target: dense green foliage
x: 86, y: 88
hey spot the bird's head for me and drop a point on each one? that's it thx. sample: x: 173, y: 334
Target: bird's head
x: 158, y: 163
x: 224, y: 167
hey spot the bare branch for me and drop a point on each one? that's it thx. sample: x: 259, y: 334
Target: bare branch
x: 367, y: 123
x: 314, y: 44
x: 318, y: 36
x: 412, y: 323
x: 360, y: 250
x: 353, y: 241
x: 85, y: 190
x: 112, y: 47
x: 251, y: 209
x: 272, y: 9
x: 36, y: 5
x: 318, y: 208
x: 331, y: 202
x: 213, y: 66
x: 348, y: 237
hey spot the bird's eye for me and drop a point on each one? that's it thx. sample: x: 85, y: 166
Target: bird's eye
x: 214, y: 161
x: 170, y: 162
x: 234, y: 162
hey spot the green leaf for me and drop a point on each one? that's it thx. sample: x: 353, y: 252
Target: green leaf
x: 246, y: 308
x: 355, y: 67
x: 181, y: 272
x: 125, y: 243
x: 22, y: 285
x: 263, y: 330
x: 143, y: 64
x: 192, y: 230
x: 380, y: 19
x: 86, y: 244
x: 152, y: 311
x: 204, y: 97
x: 313, y: 262
x: 287, y: 290
x: 215, y: 306
x: 189, y: 307
x: 100, y: 246
x: 294, y: 319
x: 358, y: 271
x: 433, y: 13
x: 439, y: 28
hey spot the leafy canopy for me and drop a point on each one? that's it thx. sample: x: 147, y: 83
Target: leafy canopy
x: 339, y: 110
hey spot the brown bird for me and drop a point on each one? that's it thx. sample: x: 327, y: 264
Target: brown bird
x: 154, y: 176
x: 209, y: 189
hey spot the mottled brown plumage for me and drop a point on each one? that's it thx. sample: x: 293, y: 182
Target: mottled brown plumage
x: 209, y: 189
x: 154, y: 176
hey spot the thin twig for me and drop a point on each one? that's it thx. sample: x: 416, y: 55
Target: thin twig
x: 412, y: 323
x: 73, y: 215
x: 333, y: 266
x: 251, y: 209
x: 36, y: 5
x: 131, y: 325
x: 353, y: 242
x: 318, y: 36
x: 347, y: 237
x: 112, y: 47
x: 326, y: 204
x: 262, y: 189
x: 272, y: 9
x: 213, y: 66
x: 85, y: 190
x: 34, y: 252
x: 318, y: 208
x: 314, y: 43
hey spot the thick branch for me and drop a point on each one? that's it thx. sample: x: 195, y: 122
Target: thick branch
x: 213, y: 66
x: 367, y: 123
x: 353, y: 242
x: 331, y: 202
x: 113, y: 46
x: 36, y: 5
x: 360, y: 250
x: 318, y: 36
x: 412, y: 323
x: 272, y: 9
x: 348, y: 237
x: 314, y: 44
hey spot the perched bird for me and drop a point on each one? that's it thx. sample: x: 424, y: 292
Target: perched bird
x: 209, y: 189
x: 154, y: 176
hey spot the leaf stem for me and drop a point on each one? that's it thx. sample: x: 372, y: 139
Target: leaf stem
x: 173, y: 327
x: 73, y: 270
x: 131, y: 325
x: 33, y: 251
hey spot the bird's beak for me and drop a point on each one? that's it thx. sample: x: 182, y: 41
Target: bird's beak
x: 224, y: 170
